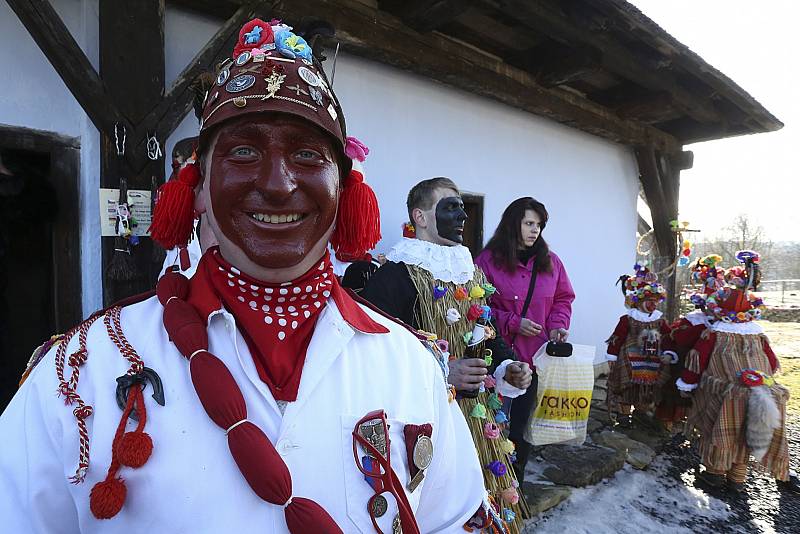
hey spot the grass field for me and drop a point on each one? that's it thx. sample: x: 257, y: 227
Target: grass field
x: 785, y: 341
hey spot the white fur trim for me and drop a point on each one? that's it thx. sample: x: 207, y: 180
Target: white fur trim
x: 749, y: 328
x: 673, y: 356
x: 448, y: 264
x: 611, y: 357
x: 683, y: 386
x: 697, y: 317
x: 643, y: 317
x: 502, y: 387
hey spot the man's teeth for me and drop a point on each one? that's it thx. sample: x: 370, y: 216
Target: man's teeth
x: 276, y: 219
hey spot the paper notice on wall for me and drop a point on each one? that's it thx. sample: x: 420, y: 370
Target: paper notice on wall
x: 138, y: 204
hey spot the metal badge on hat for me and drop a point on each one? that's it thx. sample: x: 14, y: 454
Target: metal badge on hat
x: 240, y: 83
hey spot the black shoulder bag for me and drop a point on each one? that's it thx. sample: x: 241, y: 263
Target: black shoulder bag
x: 527, y: 303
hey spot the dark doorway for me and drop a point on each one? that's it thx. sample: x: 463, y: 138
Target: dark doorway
x: 39, y: 248
x: 473, y: 229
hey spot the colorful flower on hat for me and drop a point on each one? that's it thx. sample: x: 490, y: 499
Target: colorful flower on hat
x: 292, y: 46
x: 254, y: 34
x: 409, y: 231
x: 355, y: 149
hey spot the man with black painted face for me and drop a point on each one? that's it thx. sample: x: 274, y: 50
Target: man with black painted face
x: 272, y: 388
x: 431, y: 283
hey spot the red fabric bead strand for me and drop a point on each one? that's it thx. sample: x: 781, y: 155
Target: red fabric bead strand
x: 255, y: 455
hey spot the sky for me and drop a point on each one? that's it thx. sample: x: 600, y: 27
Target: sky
x: 756, y: 44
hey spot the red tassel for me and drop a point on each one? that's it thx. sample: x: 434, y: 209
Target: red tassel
x: 358, y: 222
x: 135, y: 449
x: 173, y: 217
x: 107, y: 497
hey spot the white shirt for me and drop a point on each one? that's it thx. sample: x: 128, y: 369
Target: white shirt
x: 191, y: 483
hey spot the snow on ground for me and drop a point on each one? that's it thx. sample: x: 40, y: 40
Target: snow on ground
x: 640, y: 502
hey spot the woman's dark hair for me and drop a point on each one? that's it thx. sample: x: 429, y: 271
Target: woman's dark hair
x: 507, y: 238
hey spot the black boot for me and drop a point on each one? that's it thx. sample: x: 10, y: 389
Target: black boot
x: 710, y: 480
x: 792, y: 485
x: 523, y: 451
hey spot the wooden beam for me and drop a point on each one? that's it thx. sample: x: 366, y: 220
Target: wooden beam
x: 165, y: 117
x: 651, y: 109
x: 642, y: 226
x: 59, y: 47
x: 376, y: 35
x: 547, y: 17
x: 426, y: 15
x: 642, y: 28
x: 571, y: 67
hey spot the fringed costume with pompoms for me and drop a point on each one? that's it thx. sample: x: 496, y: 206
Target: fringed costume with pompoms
x: 739, y: 409
x: 639, y: 343
x: 436, y: 289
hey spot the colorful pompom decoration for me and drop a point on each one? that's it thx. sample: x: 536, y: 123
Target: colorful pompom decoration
x: 439, y: 292
x: 507, y: 446
x: 510, y: 496
x: 452, y: 316
x: 489, y: 382
x: 497, y: 468
x: 500, y: 418
x: 488, y: 289
x: 491, y: 430
x: 494, y: 402
x: 477, y: 292
x: 509, y: 515
x: 474, y: 312
x: 478, y: 412
x: 460, y: 293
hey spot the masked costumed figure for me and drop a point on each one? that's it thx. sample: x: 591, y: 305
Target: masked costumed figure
x: 259, y: 394
x: 639, y: 351
x: 738, y: 407
x: 685, y: 332
x: 430, y: 282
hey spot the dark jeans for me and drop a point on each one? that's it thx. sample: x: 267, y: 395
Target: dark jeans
x: 522, y: 408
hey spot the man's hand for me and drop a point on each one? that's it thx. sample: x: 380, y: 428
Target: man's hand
x: 467, y: 374
x: 519, y: 375
x: 559, y: 334
x: 529, y: 328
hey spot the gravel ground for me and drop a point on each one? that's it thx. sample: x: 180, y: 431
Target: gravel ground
x: 764, y: 508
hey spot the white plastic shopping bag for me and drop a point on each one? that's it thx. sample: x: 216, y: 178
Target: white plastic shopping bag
x: 564, y: 397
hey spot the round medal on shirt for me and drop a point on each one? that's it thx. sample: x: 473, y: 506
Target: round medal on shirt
x: 308, y: 76
x: 222, y: 77
x: 243, y: 58
x: 379, y: 506
x: 240, y: 83
x: 423, y: 452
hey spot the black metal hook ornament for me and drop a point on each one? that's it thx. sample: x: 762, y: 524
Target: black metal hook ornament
x: 125, y: 382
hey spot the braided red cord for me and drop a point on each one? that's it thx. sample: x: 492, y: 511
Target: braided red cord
x: 68, y: 390
x: 118, y: 337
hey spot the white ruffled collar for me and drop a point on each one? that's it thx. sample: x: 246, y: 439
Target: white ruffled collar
x: 749, y: 328
x: 697, y: 317
x: 448, y: 264
x: 638, y: 315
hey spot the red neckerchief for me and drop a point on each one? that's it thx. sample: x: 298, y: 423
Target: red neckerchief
x: 276, y: 320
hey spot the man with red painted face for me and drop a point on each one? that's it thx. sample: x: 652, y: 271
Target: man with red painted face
x: 640, y: 349
x: 431, y: 283
x: 259, y: 392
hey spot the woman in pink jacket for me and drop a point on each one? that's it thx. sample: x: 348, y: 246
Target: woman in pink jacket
x: 512, y: 256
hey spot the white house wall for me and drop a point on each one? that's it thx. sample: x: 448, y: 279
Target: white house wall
x: 419, y: 129
x: 415, y: 128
